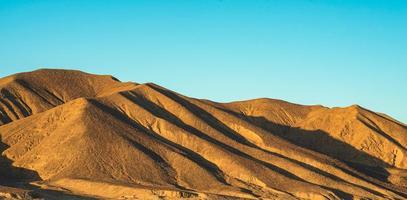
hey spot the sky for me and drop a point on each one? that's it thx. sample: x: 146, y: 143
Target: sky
x: 333, y: 53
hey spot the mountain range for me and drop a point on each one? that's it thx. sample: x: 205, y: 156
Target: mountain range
x: 68, y: 134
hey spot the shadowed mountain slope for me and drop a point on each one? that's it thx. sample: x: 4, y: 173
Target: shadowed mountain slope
x: 95, y: 136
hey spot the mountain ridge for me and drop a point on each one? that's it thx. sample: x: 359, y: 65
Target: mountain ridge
x: 61, y: 124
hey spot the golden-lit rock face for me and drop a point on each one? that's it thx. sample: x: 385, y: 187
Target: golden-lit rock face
x: 97, y: 137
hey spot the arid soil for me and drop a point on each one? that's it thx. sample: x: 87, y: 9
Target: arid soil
x: 71, y: 135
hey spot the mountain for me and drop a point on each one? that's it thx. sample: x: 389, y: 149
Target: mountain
x: 71, y: 135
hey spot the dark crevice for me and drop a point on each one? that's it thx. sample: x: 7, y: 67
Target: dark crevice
x: 28, y: 87
x: 4, y: 118
x: 25, y: 110
x: 10, y: 108
x: 60, y: 101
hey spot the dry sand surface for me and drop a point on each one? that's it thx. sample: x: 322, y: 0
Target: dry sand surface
x: 72, y: 135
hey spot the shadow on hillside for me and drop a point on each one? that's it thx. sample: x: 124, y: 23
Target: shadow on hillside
x: 10, y: 174
x: 159, y: 112
x: 318, y: 141
x: 17, y: 177
x: 322, y: 142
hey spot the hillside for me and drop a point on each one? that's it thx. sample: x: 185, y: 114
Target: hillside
x: 69, y: 134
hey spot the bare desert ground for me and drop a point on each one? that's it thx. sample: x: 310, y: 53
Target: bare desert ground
x: 71, y: 135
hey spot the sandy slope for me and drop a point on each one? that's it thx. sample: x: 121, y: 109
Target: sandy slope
x: 86, y: 135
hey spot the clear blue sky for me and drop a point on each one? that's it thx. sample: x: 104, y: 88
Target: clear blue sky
x: 334, y: 53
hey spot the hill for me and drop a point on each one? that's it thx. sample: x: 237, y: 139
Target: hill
x: 69, y: 134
